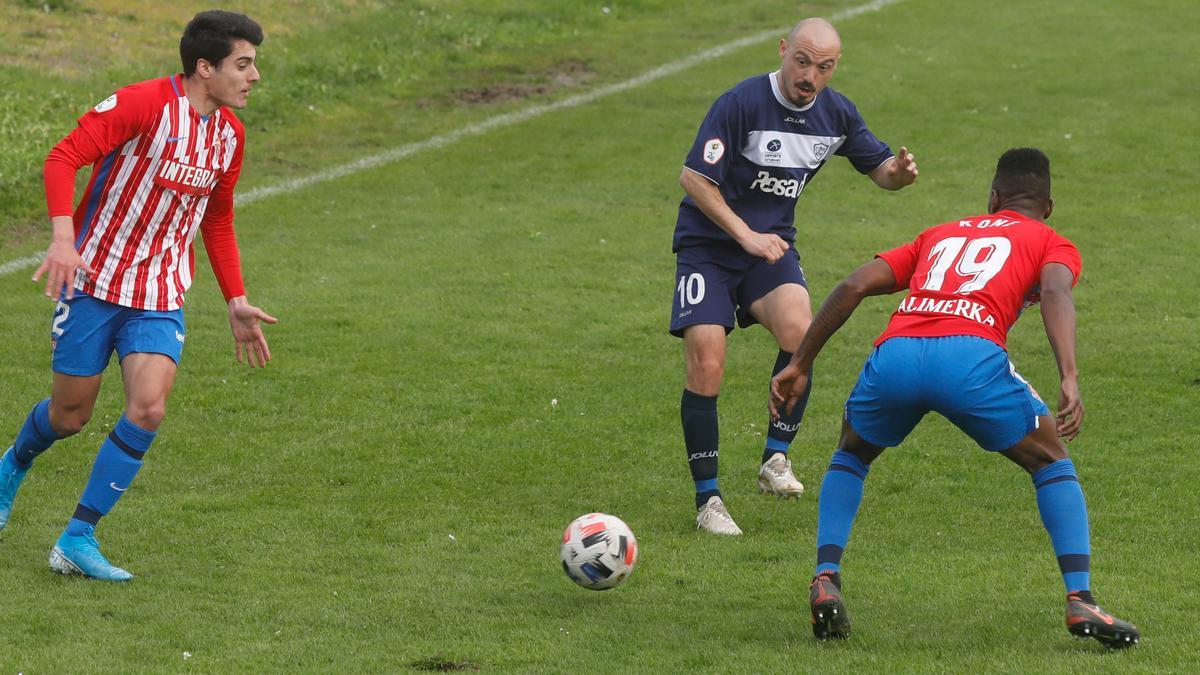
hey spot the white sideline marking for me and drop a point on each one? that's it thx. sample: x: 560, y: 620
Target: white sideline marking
x: 505, y: 120
x: 21, y: 263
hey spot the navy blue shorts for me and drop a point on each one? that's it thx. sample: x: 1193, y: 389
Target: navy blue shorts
x: 86, y: 331
x: 967, y: 379
x: 716, y: 283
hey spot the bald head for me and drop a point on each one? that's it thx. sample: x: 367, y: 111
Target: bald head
x: 808, y: 56
x: 818, y: 32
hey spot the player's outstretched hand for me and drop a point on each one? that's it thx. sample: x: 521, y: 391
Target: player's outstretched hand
x: 245, y: 321
x: 59, y: 266
x: 904, y: 170
x: 763, y: 245
x: 786, y: 389
x: 1070, y: 409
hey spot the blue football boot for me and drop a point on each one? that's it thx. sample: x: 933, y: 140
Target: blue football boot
x: 81, y: 555
x: 10, y: 480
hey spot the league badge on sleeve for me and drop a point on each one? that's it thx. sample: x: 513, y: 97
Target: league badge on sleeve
x: 714, y: 150
x: 107, y: 104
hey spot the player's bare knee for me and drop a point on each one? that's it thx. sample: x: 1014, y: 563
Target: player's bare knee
x: 68, y: 420
x: 704, y: 375
x: 1036, y: 452
x: 68, y: 425
x: 147, y: 416
x: 791, y: 334
x: 1049, y: 453
x: 854, y: 444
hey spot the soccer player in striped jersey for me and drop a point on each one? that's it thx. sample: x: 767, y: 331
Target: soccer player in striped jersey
x: 758, y: 148
x: 165, y: 156
x: 944, y: 351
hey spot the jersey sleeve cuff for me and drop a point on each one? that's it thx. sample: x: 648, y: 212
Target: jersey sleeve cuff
x: 899, y: 283
x: 701, y: 173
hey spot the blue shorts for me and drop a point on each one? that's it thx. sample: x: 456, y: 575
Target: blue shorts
x: 969, y: 380
x: 716, y: 283
x: 86, y: 331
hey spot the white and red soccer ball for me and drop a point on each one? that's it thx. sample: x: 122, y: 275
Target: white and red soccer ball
x: 598, y: 551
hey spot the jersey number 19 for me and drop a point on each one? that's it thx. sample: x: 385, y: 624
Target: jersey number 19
x: 965, y: 257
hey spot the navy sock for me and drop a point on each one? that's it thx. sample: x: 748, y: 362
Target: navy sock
x: 117, y: 463
x: 781, y: 432
x: 1064, y: 514
x: 1085, y: 596
x: 841, y: 493
x: 699, y: 416
x: 35, y: 436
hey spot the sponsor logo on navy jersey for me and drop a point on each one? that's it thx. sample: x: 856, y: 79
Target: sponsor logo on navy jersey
x: 789, y: 149
x: 772, y: 154
x: 789, y: 187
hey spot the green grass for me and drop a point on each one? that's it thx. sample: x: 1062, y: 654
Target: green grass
x: 389, y: 493
x: 340, y: 77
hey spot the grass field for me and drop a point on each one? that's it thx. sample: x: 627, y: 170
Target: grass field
x: 389, y: 493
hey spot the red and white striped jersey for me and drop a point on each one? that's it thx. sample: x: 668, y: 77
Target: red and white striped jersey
x: 160, y: 171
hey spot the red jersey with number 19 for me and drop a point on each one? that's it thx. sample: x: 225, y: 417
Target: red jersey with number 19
x: 160, y: 171
x: 973, y: 276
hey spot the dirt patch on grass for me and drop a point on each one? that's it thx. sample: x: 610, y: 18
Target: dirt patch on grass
x: 519, y: 87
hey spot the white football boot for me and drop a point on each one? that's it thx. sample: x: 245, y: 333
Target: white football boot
x: 775, y: 477
x: 714, y: 518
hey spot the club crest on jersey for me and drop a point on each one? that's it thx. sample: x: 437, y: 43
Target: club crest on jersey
x: 185, y: 178
x: 107, y: 104
x: 819, y: 151
x: 714, y: 150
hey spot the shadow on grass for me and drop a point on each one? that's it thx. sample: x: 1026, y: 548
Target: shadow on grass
x: 442, y: 663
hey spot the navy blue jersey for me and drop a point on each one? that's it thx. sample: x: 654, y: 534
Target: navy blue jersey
x: 761, y: 151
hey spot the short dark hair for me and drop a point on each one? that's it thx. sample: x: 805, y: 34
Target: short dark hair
x: 1023, y: 172
x: 210, y: 35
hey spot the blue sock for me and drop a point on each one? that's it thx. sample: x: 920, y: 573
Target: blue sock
x: 1064, y: 514
x: 841, y: 493
x: 781, y: 432
x: 117, y: 463
x: 36, y: 435
x: 699, y: 417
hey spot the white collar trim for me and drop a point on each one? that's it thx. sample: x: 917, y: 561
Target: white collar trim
x: 783, y: 99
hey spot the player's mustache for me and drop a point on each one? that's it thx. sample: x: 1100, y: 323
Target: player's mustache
x: 805, y: 84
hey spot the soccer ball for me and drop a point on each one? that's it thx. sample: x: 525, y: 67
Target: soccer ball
x: 598, y: 551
